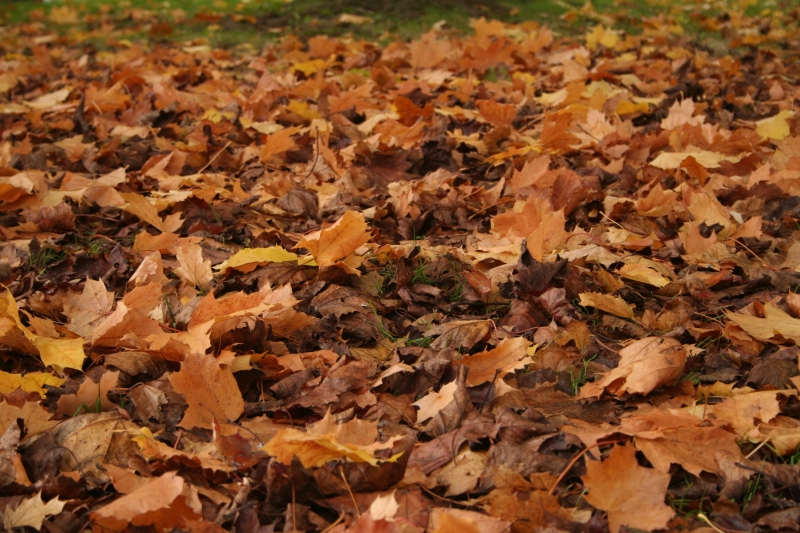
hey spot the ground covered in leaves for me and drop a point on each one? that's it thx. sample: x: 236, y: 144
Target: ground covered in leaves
x: 504, y: 282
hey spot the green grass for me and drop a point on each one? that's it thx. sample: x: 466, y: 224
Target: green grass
x: 232, y: 23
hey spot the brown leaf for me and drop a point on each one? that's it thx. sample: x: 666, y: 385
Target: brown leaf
x: 165, y: 502
x: 632, y: 495
x: 644, y: 365
x: 493, y: 364
x: 459, y: 333
x: 210, y: 390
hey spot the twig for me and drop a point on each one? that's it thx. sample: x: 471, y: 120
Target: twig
x: 314, y: 164
x: 213, y: 158
x: 352, y: 496
x: 575, y: 460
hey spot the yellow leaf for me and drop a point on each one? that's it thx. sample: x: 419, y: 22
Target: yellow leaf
x: 249, y: 259
x: 776, y: 127
x: 327, y: 441
x: 31, y: 382
x: 639, y: 272
x: 605, y: 302
x: 337, y: 241
x: 64, y: 353
x: 673, y: 160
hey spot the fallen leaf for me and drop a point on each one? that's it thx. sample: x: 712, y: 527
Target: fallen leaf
x: 31, y: 512
x: 335, y: 242
x: 639, y: 272
x: 493, y: 364
x: 159, y: 503
x: 210, y: 390
x: 327, y: 441
x: 605, y: 302
x: 193, y: 269
x: 432, y: 403
x: 644, y: 365
x: 632, y: 495
x: 775, y: 323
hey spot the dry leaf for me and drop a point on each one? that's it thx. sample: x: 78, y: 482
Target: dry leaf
x: 632, y: 495
x: 644, y: 365
x: 432, y: 403
x: 337, y: 241
x: 194, y: 270
x: 489, y: 365
x: 605, y: 302
x: 210, y: 390
x: 31, y: 512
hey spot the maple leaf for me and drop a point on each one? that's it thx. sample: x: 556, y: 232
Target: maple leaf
x: 152, y: 504
x: 90, y: 396
x: 631, y: 494
x: 644, y: 365
x: 509, y: 355
x: 327, y: 441
x: 86, y: 310
x: 775, y: 323
x: 431, y: 404
x: 210, y: 390
x: 337, y: 241
x: 31, y: 512
x: 193, y: 269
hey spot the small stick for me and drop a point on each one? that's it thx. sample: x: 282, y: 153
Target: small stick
x: 575, y: 460
x: 352, y: 496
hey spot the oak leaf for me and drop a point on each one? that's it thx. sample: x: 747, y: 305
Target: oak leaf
x: 632, y: 495
x: 31, y: 512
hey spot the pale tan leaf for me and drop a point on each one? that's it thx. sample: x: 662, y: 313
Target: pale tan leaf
x: 193, y: 269
x: 639, y: 272
x: 430, y: 404
x: 31, y: 512
x: 86, y: 310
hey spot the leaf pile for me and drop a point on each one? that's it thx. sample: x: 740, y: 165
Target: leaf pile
x: 490, y: 283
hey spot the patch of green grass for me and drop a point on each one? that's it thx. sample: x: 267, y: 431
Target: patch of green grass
x: 420, y: 273
x: 251, y: 23
x: 45, y: 257
x: 579, y: 377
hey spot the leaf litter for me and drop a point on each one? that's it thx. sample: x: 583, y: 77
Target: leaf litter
x: 509, y: 281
